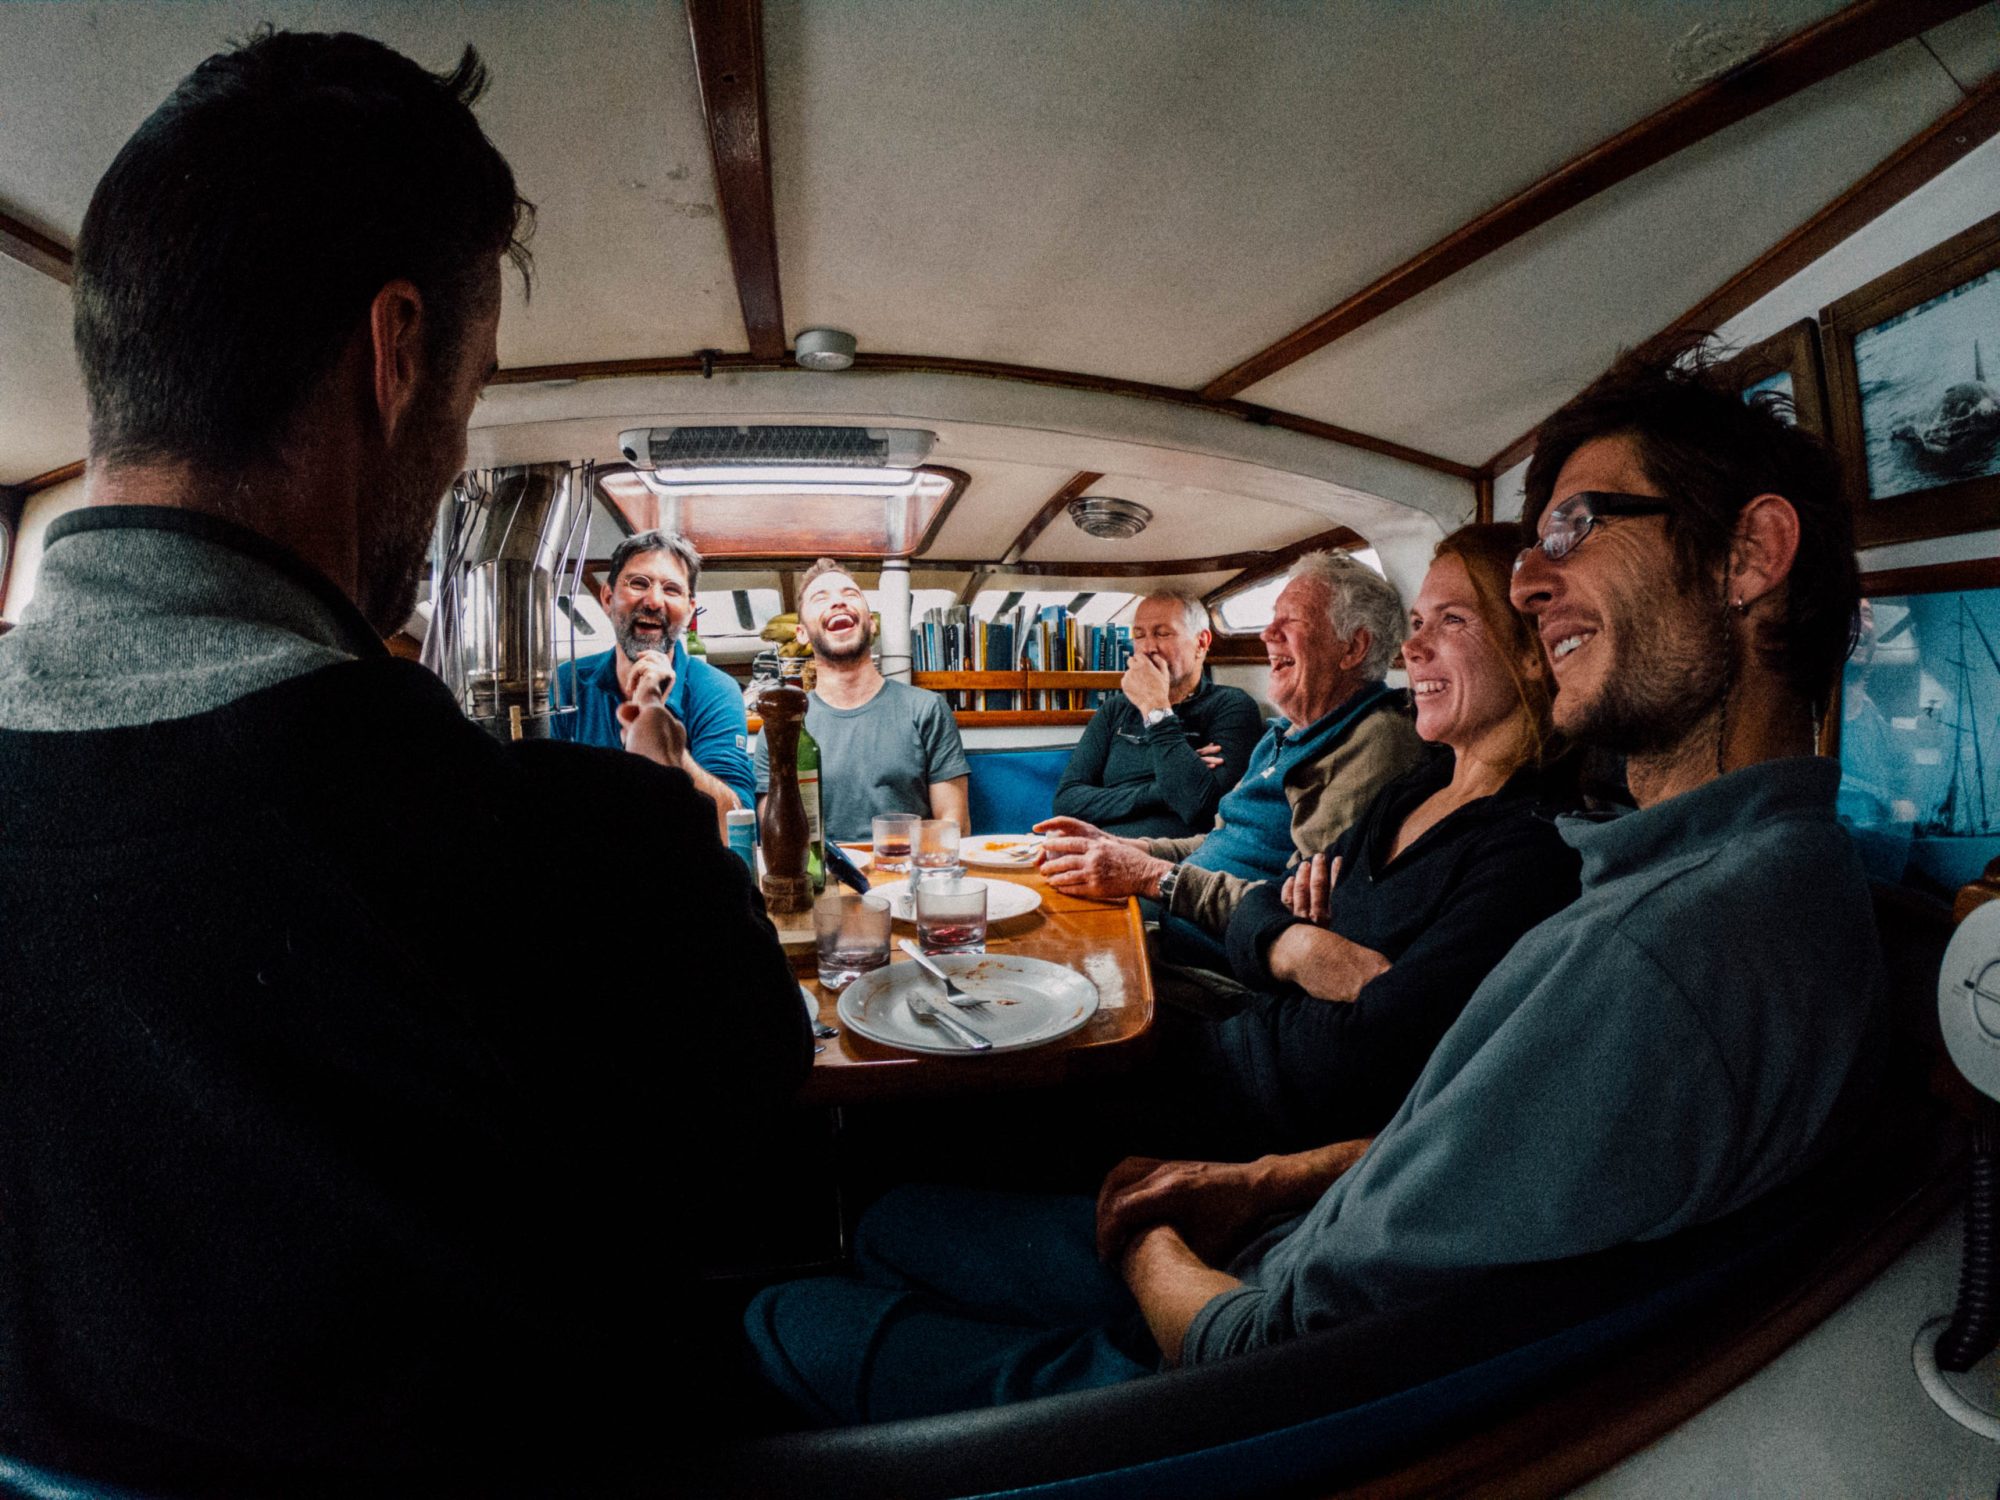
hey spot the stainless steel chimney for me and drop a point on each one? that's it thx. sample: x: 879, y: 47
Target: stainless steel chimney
x: 508, y: 541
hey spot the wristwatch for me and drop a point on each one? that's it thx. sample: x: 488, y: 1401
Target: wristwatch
x: 1167, y: 883
x: 1157, y: 715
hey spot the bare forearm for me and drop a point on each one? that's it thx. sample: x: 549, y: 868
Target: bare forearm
x: 1323, y: 964
x: 1171, y: 1284
x: 1296, y: 1180
x: 950, y: 799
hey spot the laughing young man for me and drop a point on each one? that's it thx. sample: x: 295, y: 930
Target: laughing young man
x: 1686, y: 1037
x: 884, y: 746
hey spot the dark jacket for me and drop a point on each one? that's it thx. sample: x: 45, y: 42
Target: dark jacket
x: 322, y: 1168
x: 1309, y: 1071
x: 1149, y: 783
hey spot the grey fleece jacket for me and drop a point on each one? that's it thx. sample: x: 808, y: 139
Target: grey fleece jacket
x: 1661, y: 1052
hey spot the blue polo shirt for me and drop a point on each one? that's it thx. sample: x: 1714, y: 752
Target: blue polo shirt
x: 705, y: 699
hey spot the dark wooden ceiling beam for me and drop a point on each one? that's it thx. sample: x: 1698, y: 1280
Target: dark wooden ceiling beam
x: 728, y: 40
x: 1078, y: 485
x: 1817, y: 53
x: 1271, y: 564
x: 929, y: 364
x: 1969, y: 124
x: 1254, y: 565
x: 36, y: 250
x: 71, y: 470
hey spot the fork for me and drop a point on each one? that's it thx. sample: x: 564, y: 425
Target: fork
x: 927, y: 1010
x: 952, y: 993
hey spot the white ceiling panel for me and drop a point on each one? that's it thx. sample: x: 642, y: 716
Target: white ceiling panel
x: 1469, y: 366
x: 595, y: 106
x: 1187, y: 522
x: 43, y: 421
x: 1157, y: 188
x: 1000, y: 499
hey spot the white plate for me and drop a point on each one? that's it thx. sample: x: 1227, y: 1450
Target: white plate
x: 812, y: 1004
x: 859, y: 854
x: 1004, y: 899
x: 1001, y: 851
x: 1033, y: 1002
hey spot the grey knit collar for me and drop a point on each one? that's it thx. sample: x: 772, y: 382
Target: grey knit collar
x: 146, y: 613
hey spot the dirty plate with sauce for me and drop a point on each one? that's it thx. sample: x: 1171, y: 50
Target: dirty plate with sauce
x: 1001, y: 851
x: 1029, y: 1001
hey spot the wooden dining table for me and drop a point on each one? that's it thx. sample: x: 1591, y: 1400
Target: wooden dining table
x: 1104, y: 941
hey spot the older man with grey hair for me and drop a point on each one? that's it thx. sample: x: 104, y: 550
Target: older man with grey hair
x: 1157, y: 758
x: 1340, y: 737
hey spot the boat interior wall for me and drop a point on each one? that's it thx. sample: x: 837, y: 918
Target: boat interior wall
x: 1956, y: 198
x: 1479, y: 359
x: 41, y: 508
x: 42, y: 423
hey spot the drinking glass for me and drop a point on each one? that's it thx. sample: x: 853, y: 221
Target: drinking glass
x: 853, y: 936
x: 951, y: 914
x: 894, y: 833
x: 936, y: 848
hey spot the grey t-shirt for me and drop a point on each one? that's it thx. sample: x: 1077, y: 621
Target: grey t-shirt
x: 879, y: 758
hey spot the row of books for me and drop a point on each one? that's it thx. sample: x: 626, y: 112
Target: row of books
x: 1049, y: 639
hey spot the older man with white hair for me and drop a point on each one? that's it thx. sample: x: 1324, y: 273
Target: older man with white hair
x: 1341, y: 736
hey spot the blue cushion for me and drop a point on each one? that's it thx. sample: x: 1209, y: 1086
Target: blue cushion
x: 1013, y: 790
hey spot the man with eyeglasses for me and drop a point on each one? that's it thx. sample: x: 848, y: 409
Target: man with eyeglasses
x: 650, y: 602
x: 1688, y: 1036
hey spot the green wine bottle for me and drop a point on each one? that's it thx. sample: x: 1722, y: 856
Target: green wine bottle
x: 793, y: 668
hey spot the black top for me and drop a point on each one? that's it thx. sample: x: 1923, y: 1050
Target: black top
x: 1305, y: 1071
x: 351, y: 1058
x: 1149, y: 783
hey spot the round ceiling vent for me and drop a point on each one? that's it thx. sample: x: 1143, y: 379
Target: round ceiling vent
x: 824, y: 349
x: 1103, y: 516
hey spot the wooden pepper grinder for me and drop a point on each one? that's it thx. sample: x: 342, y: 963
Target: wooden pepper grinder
x: 781, y: 827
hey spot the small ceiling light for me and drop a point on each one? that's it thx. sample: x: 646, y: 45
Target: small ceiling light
x: 824, y: 349
x: 1112, y: 519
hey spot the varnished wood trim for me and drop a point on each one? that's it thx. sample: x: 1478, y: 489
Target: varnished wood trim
x: 51, y: 479
x: 1265, y: 563
x: 1054, y: 506
x: 1238, y: 650
x: 1793, y: 349
x: 1967, y: 125
x: 728, y: 37
x: 36, y: 250
x: 1482, y: 499
x: 1270, y: 564
x: 1014, y: 681
x: 1812, y: 55
x: 929, y: 364
x: 1937, y: 578
x: 1023, y: 718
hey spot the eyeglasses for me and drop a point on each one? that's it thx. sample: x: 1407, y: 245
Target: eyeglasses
x: 1569, y: 523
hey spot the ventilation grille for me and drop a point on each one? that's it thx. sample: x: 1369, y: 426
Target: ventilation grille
x: 746, y: 447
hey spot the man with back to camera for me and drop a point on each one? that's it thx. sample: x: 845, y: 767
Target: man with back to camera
x: 649, y: 599
x: 324, y: 1175
x: 884, y: 746
x: 1157, y: 757
x: 1340, y: 736
x: 1620, y: 1076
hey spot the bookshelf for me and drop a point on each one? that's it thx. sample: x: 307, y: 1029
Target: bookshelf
x: 1020, y: 683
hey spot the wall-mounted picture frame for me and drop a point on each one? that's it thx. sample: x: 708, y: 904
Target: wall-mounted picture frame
x: 1913, y: 381
x: 1788, y: 363
x: 1916, y: 725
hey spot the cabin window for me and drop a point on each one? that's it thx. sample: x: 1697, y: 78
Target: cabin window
x: 1250, y: 611
x: 733, y: 613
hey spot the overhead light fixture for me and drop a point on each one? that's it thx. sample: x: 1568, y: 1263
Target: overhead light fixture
x: 762, y: 447
x: 823, y: 349
x: 1109, y: 518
